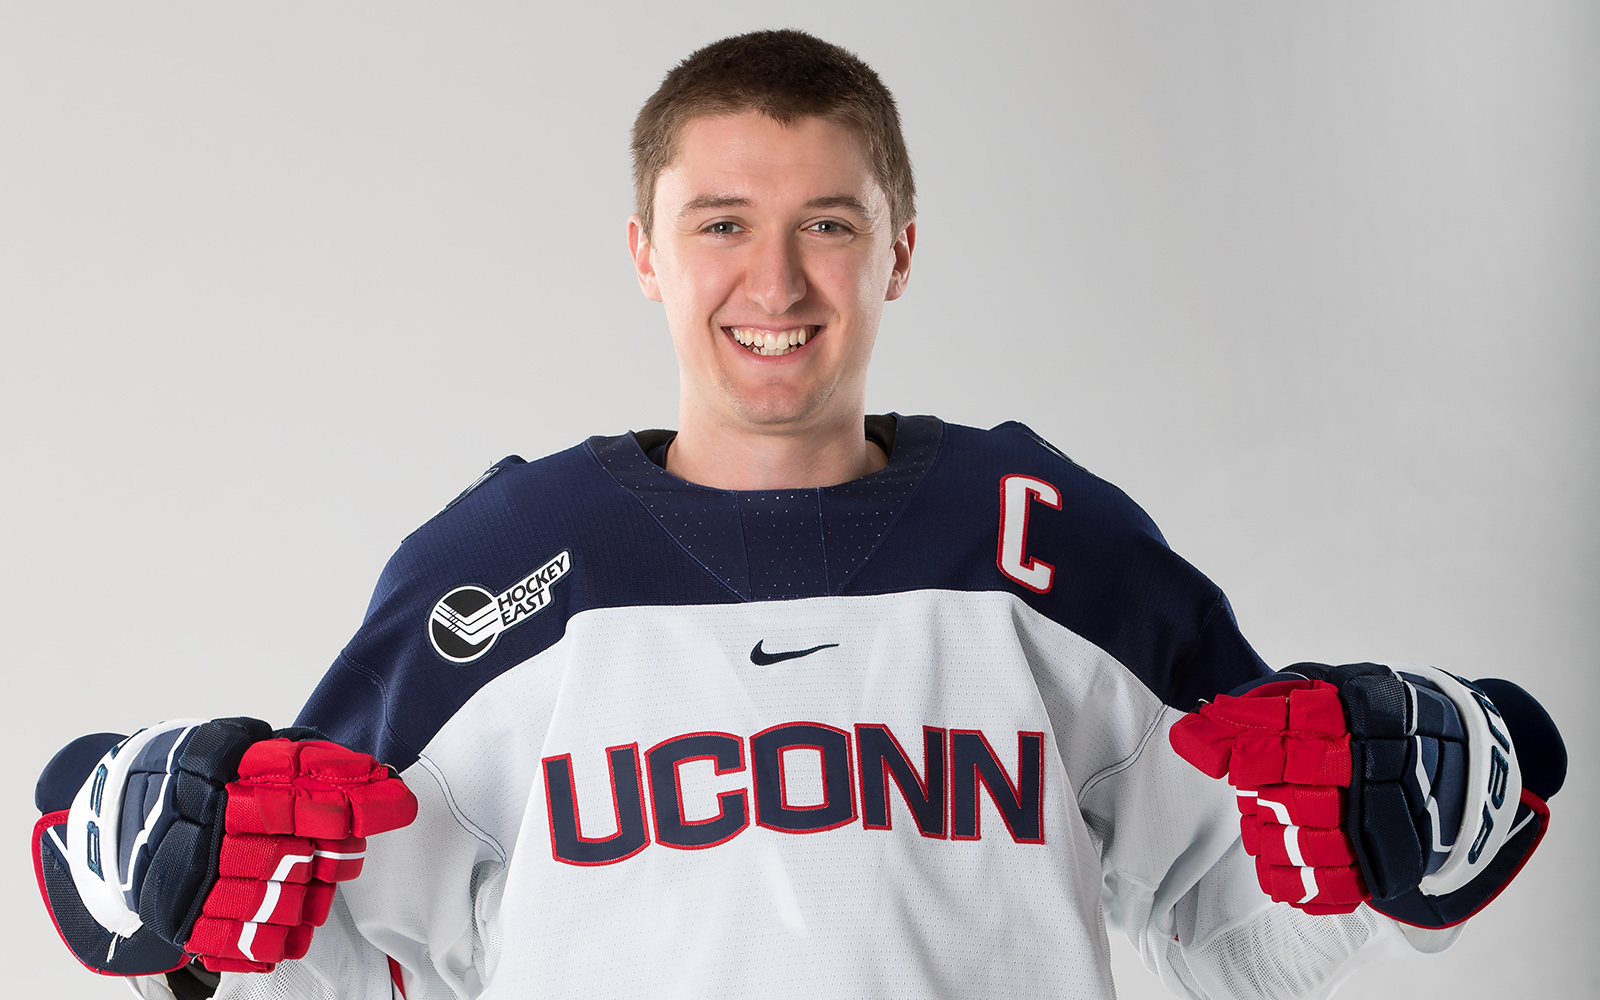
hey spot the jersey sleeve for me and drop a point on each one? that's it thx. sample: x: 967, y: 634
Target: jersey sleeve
x: 1176, y: 878
x: 1179, y: 884
x: 424, y: 908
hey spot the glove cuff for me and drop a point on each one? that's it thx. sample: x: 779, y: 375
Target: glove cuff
x: 128, y: 838
x: 1543, y: 759
x: 1494, y: 783
x: 99, y: 950
x: 1419, y: 909
x: 102, y: 841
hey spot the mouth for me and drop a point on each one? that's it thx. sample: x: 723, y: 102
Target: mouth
x: 771, y: 343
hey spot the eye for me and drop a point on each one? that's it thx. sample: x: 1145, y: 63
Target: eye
x: 722, y: 228
x: 828, y: 227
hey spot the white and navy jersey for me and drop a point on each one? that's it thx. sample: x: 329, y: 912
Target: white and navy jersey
x: 903, y: 736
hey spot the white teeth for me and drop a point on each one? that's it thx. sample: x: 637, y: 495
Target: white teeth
x: 770, y: 343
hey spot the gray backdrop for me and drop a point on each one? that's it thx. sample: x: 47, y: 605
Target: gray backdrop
x: 1316, y: 284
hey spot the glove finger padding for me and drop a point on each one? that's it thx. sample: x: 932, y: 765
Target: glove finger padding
x: 1284, y: 747
x: 315, y: 789
x: 296, y: 822
x: 1311, y: 889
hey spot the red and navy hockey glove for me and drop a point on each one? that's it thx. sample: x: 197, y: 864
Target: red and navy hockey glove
x: 1415, y: 791
x: 206, y: 839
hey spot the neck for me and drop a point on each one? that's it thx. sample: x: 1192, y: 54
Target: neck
x: 724, y: 457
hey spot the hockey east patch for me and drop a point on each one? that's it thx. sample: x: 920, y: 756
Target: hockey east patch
x: 467, y: 621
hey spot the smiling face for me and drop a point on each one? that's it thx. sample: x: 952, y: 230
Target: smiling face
x: 773, y: 254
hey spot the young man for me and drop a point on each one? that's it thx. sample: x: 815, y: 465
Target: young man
x: 796, y: 700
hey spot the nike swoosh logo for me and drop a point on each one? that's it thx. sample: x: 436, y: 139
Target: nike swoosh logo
x: 762, y: 658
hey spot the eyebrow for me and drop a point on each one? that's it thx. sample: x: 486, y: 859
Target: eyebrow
x: 706, y: 201
x: 849, y: 201
x: 712, y: 201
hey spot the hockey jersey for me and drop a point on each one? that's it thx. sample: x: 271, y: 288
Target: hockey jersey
x: 902, y: 736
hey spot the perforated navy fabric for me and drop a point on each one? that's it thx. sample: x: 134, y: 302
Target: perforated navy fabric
x: 776, y: 544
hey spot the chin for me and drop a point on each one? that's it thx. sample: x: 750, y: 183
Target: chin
x: 766, y: 411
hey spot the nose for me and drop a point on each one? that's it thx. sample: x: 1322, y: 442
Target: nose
x: 776, y: 279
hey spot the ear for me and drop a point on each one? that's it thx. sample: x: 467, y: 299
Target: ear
x: 901, y: 275
x: 643, y: 259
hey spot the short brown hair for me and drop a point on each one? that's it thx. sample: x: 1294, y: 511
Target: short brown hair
x: 786, y: 75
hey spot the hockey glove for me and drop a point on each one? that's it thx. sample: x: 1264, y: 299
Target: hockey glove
x: 210, y: 839
x: 1418, y: 792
